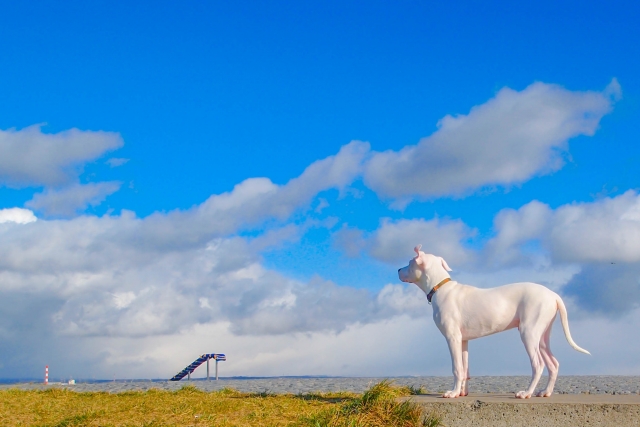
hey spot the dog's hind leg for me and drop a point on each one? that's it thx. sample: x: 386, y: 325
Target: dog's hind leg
x: 552, y: 363
x: 531, y: 340
x: 465, y: 367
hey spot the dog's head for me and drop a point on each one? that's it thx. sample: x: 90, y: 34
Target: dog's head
x: 425, y: 270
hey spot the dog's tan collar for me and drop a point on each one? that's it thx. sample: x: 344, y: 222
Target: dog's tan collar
x: 436, y: 287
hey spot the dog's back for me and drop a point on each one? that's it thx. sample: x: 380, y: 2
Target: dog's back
x: 481, y: 312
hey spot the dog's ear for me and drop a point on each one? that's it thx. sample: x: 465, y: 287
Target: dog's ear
x: 419, y: 260
x: 445, y: 265
x: 417, y: 249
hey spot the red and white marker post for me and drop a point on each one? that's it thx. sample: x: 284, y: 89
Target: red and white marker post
x: 46, y: 375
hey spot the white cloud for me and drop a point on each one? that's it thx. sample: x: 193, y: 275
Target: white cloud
x: 609, y: 289
x: 128, y: 276
x: 606, y: 230
x: 393, y: 241
x: 514, y: 228
x: 103, y: 281
x: 602, y: 238
x: 505, y: 141
x: 407, y: 300
x: 146, y: 291
x: 114, y: 162
x: 350, y: 240
x: 401, y: 345
x: 148, y: 307
x: 69, y: 200
x: 257, y: 198
x: 602, y: 231
x: 94, y: 279
x: 587, y: 251
x: 17, y: 215
x: 123, y: 299
x: 29, y: 157
x: 540, y: 270
x: 360, y: 350
x: 356, y: 350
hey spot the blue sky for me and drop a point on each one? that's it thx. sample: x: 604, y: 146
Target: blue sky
x: 500, y: 136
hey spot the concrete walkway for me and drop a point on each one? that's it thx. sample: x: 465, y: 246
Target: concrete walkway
x: 590, y: 399
x: 559, y: 410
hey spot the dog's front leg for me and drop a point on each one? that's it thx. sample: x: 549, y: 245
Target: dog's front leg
x: 454, y: 342
x: 465, y: 366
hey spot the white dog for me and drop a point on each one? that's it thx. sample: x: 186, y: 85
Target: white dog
x: 463, y: 313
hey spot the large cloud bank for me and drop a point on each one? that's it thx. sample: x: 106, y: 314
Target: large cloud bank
x: 122, y: 290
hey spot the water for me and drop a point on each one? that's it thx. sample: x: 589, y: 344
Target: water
x: 594, y: 384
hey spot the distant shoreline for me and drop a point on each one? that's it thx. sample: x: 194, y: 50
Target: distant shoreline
x: 571, y: 384
x: 128, y: 380
x: 242, y: 377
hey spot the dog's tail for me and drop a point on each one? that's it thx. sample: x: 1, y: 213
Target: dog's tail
x: 565, y: 326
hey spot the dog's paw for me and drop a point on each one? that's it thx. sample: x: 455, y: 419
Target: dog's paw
x: 451, y: 394
x: 544, y: 393
x: 523, y: 395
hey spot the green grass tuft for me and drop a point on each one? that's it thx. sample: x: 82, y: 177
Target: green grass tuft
x: 414, y: 391
x: 377, y: 407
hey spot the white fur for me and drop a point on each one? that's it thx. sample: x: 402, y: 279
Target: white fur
x: 463, y: 313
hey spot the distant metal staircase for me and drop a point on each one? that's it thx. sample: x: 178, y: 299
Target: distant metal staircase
x: 199, y: 361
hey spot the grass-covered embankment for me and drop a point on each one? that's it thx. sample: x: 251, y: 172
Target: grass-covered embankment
x: 189, y: 406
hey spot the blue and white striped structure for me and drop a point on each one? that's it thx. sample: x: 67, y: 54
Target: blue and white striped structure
x: 199, y: 361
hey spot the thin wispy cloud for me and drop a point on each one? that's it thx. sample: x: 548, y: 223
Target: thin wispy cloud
x: 72, y: 199
x: 31, y: 157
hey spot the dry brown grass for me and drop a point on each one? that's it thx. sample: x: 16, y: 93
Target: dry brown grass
x: 192, y: 407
